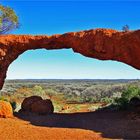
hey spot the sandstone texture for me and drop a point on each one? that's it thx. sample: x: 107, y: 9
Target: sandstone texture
x: 27, y: 102
x: 35, y: 104
x: 6, y: 110
x: 42, y: 107
x: 103, y: 44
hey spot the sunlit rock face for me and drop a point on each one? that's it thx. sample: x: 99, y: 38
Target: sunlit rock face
x: 103, y: 44
x: 6, y: 110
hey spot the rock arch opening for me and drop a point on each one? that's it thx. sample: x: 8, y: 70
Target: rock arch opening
x: 103, y: 44
x: 64, y: 64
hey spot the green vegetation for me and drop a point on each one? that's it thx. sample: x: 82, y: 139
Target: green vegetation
x: 13, y: 104
x: 3, y: 98
x: 8, y: 19
x: 38, y: 90
x: 74, y: 93
x: 127, y: 95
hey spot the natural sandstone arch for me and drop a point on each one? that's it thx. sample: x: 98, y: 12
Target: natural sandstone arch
x: 103, y: 44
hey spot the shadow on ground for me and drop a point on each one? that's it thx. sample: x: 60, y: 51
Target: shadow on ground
x: 111, y: 124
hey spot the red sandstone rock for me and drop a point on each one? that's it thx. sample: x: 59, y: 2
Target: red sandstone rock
x: 27, y: 102
x: 42, y: 107
x: 6, y: 110
x: 103, y: 44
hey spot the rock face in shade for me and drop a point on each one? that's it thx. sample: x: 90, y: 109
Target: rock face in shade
x: 6, y: 110
x: 42, y: 107
x: 103, y: 44
x: 27, y: 102
x: 35, y: 104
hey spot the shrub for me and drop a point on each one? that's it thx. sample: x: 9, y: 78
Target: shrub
x: 127, y: 95
x: 38, y: 90
x: 50, y: 93
x: 130, y: 92
x: 3, y: 99
x: 125, y: 28
x: 90, y: 99
x: 122, y: 103
x: 106, y: 100
x: 13, y: 104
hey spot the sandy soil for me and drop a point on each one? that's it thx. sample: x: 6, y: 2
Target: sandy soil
x: 15, y: 129
x: 76, y: 126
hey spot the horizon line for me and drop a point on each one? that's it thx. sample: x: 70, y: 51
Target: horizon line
x: 75, y: 79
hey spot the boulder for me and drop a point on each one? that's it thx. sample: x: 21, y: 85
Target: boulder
x: 27, y: 102
x: 6, y: 110
x: 42, y: 107
x: 135, y: 102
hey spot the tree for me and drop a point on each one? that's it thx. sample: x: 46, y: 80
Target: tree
x: 50, y: 93
x: 38, y: 90
x: 8, y: 19
x: 125, y: 28
x: 127, y: 95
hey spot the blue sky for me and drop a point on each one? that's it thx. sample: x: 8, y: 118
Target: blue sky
x: 54, y: 17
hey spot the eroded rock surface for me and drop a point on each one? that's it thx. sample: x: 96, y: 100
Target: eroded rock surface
x: 42, y: 107
x: 6, y: 110
x: 35, y: 104
x: 103, y: 44
x: 27, y: 102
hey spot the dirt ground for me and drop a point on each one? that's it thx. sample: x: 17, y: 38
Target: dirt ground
x: 97, y: 125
